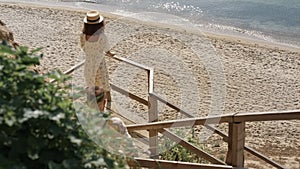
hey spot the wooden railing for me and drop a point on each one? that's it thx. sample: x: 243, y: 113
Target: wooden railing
x: 228, y: 118
x: 151, y: 103
x: 235, y: 138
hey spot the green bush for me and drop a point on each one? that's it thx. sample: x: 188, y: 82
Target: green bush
x: 39, y: 128
x: 175, y: 152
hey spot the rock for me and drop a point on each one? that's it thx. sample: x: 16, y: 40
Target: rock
x: 7, y: 35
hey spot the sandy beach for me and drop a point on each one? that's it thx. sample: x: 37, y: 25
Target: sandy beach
x: 202, y: 73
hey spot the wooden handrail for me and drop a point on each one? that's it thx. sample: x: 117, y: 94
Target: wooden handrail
x: 267, y: 116
x: 114, y: 87
x: 119, y: 58
x: 234, y: 117
x: 151, y: 80
x: 130, y: 62
x: 179, y: 123
x: 69, y: 71
x: 74, y: 67
x: 150, y: 70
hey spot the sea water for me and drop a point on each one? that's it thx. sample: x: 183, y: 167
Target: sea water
x: 277, y: 21
x: 272, y: 20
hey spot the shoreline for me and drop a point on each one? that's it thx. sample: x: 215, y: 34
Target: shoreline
x: 210, y: 34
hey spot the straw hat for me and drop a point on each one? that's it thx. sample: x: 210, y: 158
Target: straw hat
x: 93, y: 17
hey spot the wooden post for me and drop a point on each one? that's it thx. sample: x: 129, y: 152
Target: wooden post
x: 153, y: 134
x: 236, y: 143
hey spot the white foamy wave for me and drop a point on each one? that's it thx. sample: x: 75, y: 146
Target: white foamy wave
x: 156, y: 17
x: 123, y: 13
x: 178, y: 7
x: 249, y: 34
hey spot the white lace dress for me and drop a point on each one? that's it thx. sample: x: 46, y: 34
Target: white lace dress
x: 95, y: 71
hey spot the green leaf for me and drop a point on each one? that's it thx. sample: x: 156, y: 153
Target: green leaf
x: 32, y: 114
x: 75, y: 140
x: 6, y: 50
x: 58, y: 117
x: 33, y: 155
x: 9, y: 118
x: 36, y: 50
x: 52, y: 165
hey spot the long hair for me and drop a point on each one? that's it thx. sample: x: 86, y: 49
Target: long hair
x: 93, y: 29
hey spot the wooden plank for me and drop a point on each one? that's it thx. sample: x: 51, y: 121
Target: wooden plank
x: 172, y: 106
x: 138, y: 65
x: 153, y: 133
x: 254, y: 116
x: 69, y: 71
x: 229, y: 149
x: 75, y: 67
x: 164, y: 164
x: 236, y: 143
x: 151, y: 80
x: 180, y: 123
x: 130, y: 95
x: 267, y: 116
x: 191, y: 147
x: 264, y: 158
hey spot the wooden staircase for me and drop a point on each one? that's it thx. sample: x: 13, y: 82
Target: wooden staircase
x: 148, y: 133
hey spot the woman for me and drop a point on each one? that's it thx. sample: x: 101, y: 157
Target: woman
x: 95, y: 44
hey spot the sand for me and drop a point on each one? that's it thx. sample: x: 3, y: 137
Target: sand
x: 204, y: 74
